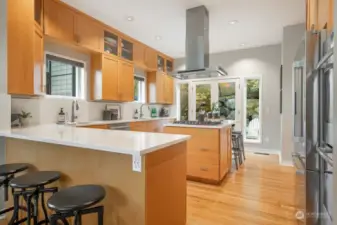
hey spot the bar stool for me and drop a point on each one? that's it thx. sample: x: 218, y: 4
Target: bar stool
x: 7, y: 173
x: 75, y: 202
x: 242, y: 146
x: 236, y: 150
x: 30, y: 186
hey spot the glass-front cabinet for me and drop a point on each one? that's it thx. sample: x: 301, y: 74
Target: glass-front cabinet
x: 160, y: 63
x: 127, y: 50
x: 169, y: 66
x: 110, y: 43
x: 38, y: 12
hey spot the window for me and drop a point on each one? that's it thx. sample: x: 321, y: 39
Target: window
x: 183, y: 105
x: 139, y: 87
x: 252, y: 116
x: 64, y: 77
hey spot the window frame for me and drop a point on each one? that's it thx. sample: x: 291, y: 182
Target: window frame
x: 142, y: 91
x: 259, y: 140
x: 82, y: 89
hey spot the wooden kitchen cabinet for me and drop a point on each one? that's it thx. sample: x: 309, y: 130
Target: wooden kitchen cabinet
x: 154, y: 126
x: 208, y: 152
x: 38, y: 61
x: 320, y: 14
x: 59, y: 21
x: 88, y: 33
x: 139, y: 55
x: 111, y: 78
x: 151, y: 59
x: 125, y: 81
x: 160, y: 88
x: 24, y: 49
x: 104, y: 126
x: 127, y: 49
x: 169, y: 65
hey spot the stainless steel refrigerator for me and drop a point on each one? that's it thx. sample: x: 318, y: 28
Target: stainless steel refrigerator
x: 313, y: 130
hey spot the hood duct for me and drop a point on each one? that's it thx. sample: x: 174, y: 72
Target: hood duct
x: 197, y: 47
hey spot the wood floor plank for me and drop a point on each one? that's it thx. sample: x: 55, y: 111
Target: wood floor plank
x: 261, y: 193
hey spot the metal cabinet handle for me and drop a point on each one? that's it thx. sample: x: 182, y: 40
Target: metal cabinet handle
x: 203, y: 168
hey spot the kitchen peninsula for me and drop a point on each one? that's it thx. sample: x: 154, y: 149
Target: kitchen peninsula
x: 209, y: 151
x: 144, y: 174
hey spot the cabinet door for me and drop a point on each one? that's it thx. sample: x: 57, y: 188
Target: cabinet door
x: 160, y: 87
x: 59, y: 21
x: 151, y: 59
x: 110, y: 78
x: 20, y: 52
x: 170, y: 90
x: 224, y: 152
x: 89, y: 33
x: 38, y: 61
x: 139, y: 55
x: 126, y: 49
x: 312, y: 14
x: 323, y: 14
x: 126, y: 81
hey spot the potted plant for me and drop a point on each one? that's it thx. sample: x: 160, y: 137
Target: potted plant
x: 25, y: 118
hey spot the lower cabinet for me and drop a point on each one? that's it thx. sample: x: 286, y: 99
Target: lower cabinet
x: 154, y: 126
x: 208, y: 152
x: 104, y: 126
x: 112, y: 79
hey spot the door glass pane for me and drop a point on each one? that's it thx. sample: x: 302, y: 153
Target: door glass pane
x: 184, y: 102
x: 203, y: 97
x: 227, y: 100
x: 110, y: 43
x: 252, y: 109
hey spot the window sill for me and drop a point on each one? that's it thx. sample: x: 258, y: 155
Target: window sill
x: 62, y: 97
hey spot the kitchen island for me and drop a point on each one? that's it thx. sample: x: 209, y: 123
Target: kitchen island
x: 144, y: 174
x: 209, y: 151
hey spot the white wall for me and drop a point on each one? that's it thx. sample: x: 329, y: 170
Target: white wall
x: 292, y: 36
x: 264, y: 61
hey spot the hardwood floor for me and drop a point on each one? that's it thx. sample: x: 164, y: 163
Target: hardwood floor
x: 261, y: 193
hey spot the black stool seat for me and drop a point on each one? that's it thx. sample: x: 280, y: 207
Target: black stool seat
x: 35, y: 179
x: 76, y: 198
x: 9, y: 169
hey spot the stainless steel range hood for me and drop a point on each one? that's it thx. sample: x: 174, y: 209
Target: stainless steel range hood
x: 197, y: 47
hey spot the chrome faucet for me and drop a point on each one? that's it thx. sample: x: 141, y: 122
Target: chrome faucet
x: 141, y: 114
x: 74, y: 107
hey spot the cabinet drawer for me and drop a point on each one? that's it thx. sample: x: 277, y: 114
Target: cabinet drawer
x: 204, y: 171
x: 203, y: 155
x: 204, y: 139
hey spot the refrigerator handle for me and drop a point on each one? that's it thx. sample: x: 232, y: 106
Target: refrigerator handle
x: 295, y: 103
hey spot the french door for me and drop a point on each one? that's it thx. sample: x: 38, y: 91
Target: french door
x: 224, y: 94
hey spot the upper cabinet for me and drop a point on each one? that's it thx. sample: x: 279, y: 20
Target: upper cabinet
x: 59, y: 21
x: 160, y: 88
x: 38, y: 12
x: 126, y: 49
x: 112, y: 79
x: 139, y: 55
x: 24, y: 47
x: 151, y: 58
x: 169, y: 65
x: 320, y: 14
x: 88, y: 33
x: 110, y: 43
x: 160, y: 63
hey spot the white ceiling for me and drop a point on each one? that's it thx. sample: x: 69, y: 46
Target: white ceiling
x: 260, y: 22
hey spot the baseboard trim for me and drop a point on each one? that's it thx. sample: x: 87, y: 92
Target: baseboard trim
x: 286, y: 163
x: 263, y: 150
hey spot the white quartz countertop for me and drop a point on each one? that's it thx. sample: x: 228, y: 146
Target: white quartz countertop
x: 223, y: 125
x: 103, y: 122
x: 124, y: 142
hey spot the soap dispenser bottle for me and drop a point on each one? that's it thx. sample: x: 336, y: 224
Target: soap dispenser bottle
x: 61, y: 117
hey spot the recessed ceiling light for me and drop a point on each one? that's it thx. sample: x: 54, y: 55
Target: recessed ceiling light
x: 158, y: 38
x: 232, y: 22
x: 130, y: 18
x: 243, y: 44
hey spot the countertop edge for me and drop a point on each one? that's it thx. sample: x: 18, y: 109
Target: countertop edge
x: 108, y: 122
x: 93, y: 147
x: 198, y: 126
